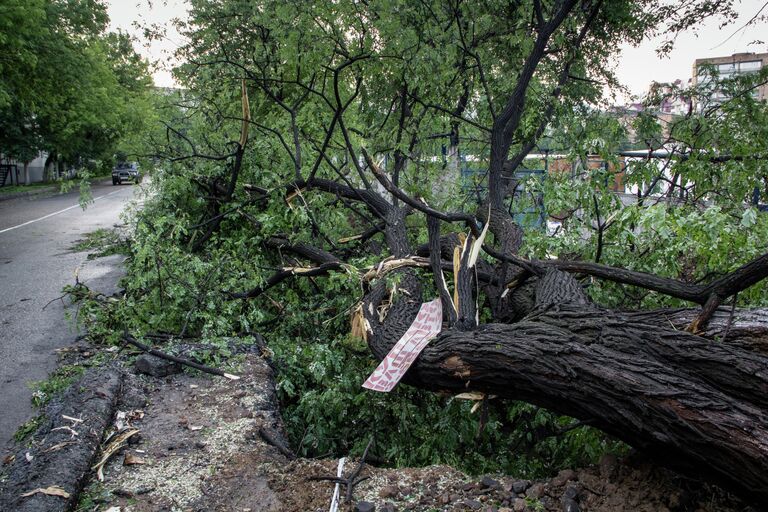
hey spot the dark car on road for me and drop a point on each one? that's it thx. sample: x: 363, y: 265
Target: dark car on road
x: 126, y: 171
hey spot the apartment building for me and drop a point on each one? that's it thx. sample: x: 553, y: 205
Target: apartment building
x: 731, y: 66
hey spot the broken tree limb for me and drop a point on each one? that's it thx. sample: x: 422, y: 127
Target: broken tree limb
x: 273, y: 440
x: 466, y: 305
x: 740, y: 279
x: 284, y: 274
x: 695, y: 405
x: 181, y: 360
x: 709, y: 296
x: 433, y: 228
x: 391, y: 264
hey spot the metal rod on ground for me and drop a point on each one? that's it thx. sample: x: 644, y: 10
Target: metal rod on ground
x: 336, y: 489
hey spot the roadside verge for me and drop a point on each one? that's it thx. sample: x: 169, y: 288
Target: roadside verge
x: 55, y: 464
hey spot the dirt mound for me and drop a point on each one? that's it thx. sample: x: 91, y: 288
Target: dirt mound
x: 209, y: 444
x: 636, y: 488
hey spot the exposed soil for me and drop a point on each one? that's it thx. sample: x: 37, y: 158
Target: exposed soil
x: 193, y: 428
x: 202, y: 449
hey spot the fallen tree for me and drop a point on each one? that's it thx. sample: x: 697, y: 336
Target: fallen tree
x: 687, y: 386
x: 691, y: 403
x: 694, y: 403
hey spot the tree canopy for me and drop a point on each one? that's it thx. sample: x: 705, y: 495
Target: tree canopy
x: 67, y: 86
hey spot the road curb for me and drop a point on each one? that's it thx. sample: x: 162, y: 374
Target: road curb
x: 51, y: 189
x: 63, y: 449
x: 30, y: 193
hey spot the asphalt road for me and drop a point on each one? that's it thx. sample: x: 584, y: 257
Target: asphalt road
x: 36, y: 261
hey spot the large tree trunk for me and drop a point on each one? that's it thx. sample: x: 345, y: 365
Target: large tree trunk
x: 697, y: 405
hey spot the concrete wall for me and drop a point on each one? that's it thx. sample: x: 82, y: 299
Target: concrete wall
x: 36, y: 170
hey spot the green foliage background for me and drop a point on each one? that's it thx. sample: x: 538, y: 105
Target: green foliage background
x: 69, y: 87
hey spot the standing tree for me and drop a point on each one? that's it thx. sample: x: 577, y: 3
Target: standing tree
x: 67, y: 86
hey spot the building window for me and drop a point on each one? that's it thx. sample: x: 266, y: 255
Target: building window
x: 750, y: 67
x: 726, y: 70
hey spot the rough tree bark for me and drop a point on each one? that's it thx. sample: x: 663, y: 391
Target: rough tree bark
x: 693, y: 404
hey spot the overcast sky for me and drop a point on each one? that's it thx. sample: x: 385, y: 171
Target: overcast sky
x: 132, y: 15
x: 635, y: 67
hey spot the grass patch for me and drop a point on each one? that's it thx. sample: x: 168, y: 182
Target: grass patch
x: 56, y: 383
x: 13, y: 189
x: 26, y: 429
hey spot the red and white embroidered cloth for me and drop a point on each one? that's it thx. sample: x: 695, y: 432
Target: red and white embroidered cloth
x: 425, y: 326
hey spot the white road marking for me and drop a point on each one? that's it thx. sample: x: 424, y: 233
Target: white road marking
x: 54, y: 213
